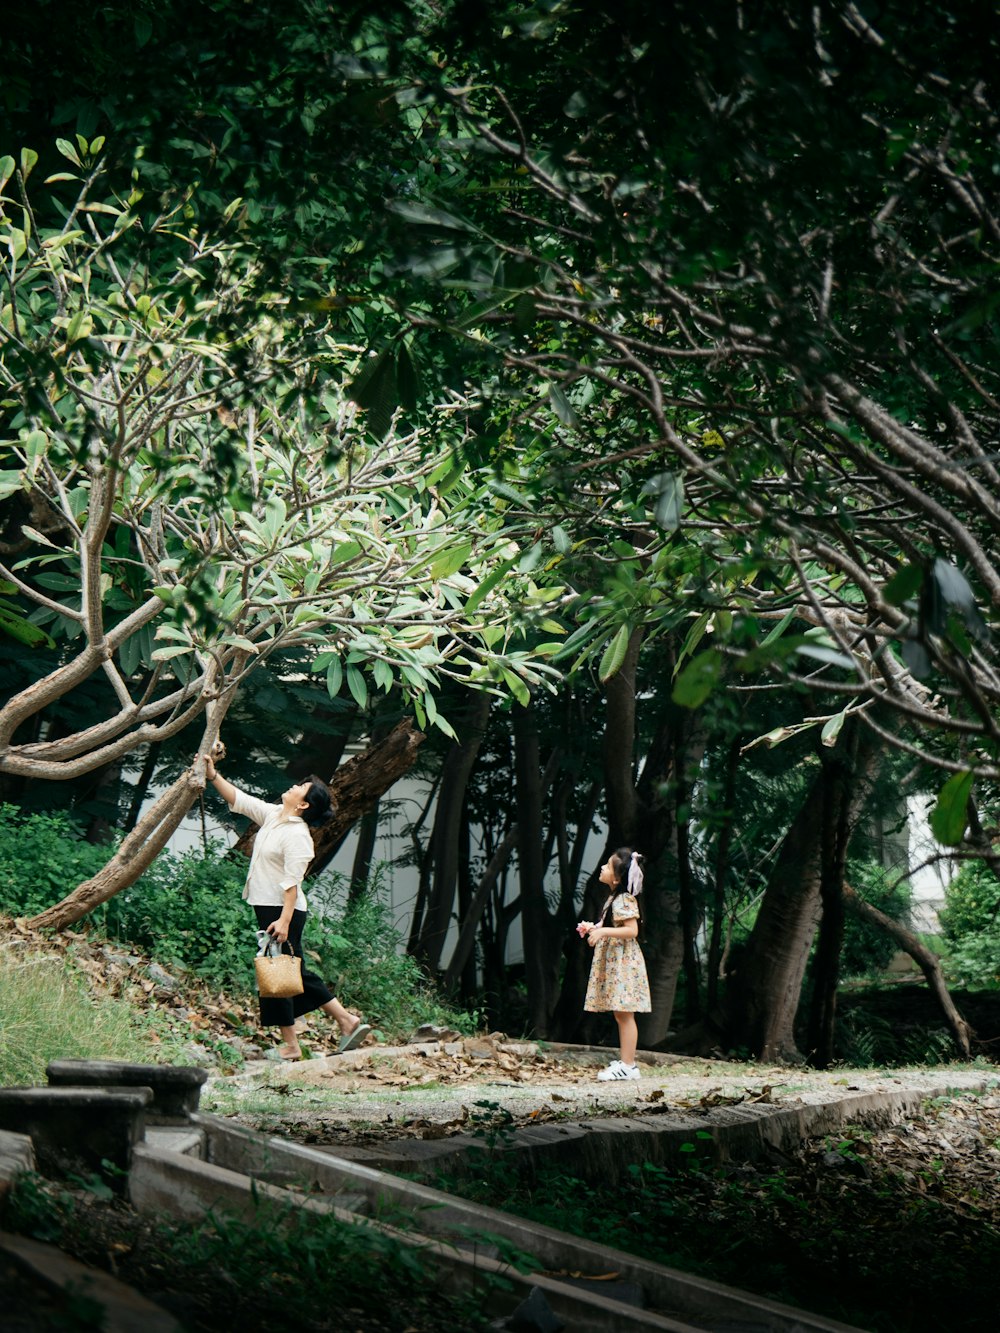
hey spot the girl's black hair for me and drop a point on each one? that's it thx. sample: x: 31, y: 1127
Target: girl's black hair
x: 621, y: 860
x: 319, y: 803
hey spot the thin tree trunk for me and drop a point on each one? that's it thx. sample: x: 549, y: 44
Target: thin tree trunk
x: 725, y: 839
x: 924, y: 958
x: 468, y: 978
x: 142, y: 787
x: 451, y: 799
x: 363, y: 853
x: 826, y: 960
x: 540, y: 956
x: 477, y: 906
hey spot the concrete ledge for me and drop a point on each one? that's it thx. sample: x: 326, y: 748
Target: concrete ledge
x: 16, y: 1155
x: 176, y: 1089
x: 185, y: 1189
x: 124, y: 1310
x: 78, y: 1130
x: 606, y: 1148
x: 449, y: 1218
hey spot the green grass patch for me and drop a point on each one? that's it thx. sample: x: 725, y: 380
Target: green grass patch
x: 47, y: 1013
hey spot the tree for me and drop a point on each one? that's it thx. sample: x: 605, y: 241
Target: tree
x: 209, y: 500
x: 747, y: 303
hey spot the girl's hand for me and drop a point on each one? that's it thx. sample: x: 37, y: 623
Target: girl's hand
x: 584, y: 928
x: 596, y: 933
x: 279, y: 929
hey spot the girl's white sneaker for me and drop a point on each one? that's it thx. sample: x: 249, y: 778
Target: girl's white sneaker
x: 617, y: 1070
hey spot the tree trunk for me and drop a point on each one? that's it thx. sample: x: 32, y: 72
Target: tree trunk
x: 477, y: 906
x: 451, y: 802
x: 763, y: 994
x: 141, y: 789
x: 363, y: 853
x: 725, y: 838
x: 136, y: 854
x: 826, y: 960
x: 541, y: 956
x: 924, y: 958
x: 150, y: 835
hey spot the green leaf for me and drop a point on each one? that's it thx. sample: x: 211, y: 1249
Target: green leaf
x: 698, y: 679
x: 374, y: 389
x: 950, y: 814
x: 903, y: 585
x: 668, y: 488
x: 832, y: 728
x: 68, y: 150
x: 334, y: 676
x: 490, y: 583
x: 6, y: 169
x: 450, y: 560
x: 358, y: 686
x: 614, y: 655
x: 517, y: 687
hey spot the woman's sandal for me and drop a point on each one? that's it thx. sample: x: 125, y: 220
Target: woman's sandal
x: 354, y: 1038
x: 283, y: 1053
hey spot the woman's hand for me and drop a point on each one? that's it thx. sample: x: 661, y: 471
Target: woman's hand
x: 279, y: 929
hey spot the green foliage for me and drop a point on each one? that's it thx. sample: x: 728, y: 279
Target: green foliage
x: 869, y: 1040
x: 188, y: 914
x: 868, y: 950
x: 970, y: 920
x: 46, y: 1013
x: 42, y: 857
x: 360, y: 952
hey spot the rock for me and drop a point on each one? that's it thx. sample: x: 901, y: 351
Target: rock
x: 535, y: 1315
x: 159, y: 977
x: 431, y: 1032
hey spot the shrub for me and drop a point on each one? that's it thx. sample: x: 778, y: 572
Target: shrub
x: 42, y: 857
x: 971, y: 925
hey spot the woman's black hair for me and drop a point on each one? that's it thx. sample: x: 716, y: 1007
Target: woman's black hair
x: 319, y: 803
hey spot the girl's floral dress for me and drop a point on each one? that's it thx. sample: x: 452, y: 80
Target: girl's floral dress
x: 618, y: 978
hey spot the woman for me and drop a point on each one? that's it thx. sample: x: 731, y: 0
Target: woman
x: 618, y: 978
x: 282, y: 851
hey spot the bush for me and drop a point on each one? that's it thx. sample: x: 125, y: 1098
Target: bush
x: 971, y: 926
x: 187, y: 913
x: 42, y: 857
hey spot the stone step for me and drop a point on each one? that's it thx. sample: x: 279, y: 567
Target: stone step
x: 79, y: 1131
x: 176, y: 1089
x: 177, y: 1138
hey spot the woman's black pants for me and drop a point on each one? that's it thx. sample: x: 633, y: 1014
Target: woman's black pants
x: 283, y: 1013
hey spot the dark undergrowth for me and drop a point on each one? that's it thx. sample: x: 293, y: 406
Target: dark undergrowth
x: 894, y: 1232
x: 285, y: 1270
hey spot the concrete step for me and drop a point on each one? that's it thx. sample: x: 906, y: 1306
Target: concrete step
x: 184, y: 1139
x: 588, y: 1286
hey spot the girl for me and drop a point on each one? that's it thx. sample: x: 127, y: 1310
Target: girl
x: 618, y: 978
x: 281, y: 854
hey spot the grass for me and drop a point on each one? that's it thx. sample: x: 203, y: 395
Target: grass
x: 46, y: 1013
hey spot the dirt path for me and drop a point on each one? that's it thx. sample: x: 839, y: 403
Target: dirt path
x: 436, y: 1088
